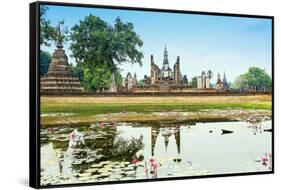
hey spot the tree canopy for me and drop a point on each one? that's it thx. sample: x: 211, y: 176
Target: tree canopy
x: 45, y: 60
x: 193, y: 82
x: 47, y: 32
x: 210, y: 74
x: 97, y: 77
x: 97, y: 44
x: 255, y: 79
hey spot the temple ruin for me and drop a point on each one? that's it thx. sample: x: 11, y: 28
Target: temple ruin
x: 168, y: 79
x: 59, y: 78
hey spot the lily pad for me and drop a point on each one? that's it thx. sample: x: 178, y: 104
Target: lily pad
x: 91, y: 160
x: 105, y: 174
x: 130, y: 172
x: 86, y: 178
x: 116, y: 170
x: 116, y: 176
x: 126, y: 163
x: 105, y: 162
x: 97, y: 165
x: 85, y: 174
x: 128, y: 168
x: 105, y: 170
x: 92, y: 170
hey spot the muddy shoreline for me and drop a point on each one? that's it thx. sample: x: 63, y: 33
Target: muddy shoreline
x: 155, y: 117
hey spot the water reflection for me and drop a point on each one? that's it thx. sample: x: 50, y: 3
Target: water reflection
x: 167, y: 134
x: 124, y: 151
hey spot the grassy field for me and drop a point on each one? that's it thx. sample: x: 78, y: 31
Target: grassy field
x: 86, y: 109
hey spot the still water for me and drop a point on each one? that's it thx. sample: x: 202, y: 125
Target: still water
x: 126, y: 151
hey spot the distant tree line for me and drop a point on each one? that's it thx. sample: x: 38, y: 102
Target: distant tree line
x: 255, y: 80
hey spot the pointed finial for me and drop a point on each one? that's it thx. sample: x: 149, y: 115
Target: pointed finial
x: 59, y: 37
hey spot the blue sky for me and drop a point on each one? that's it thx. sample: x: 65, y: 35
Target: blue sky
x: 203, y: 42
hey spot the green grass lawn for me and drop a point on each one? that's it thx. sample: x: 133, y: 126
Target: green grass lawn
x: 89, y: 109
x: 86, y: 109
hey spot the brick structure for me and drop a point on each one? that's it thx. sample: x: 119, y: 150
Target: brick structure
x: 162, y: 79
x: 203, y: 81
x: 219, y: 84
x: 59, y: 78
x: 165, y: 75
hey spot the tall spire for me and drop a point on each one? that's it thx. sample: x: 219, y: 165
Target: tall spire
x: 59, y: 36
x: 166, y: 61
x: 135, y: 76
x: 166, y: 142
x: 224, y: 77
x: 177, y: 137
x: 219, y: 77
x: 165, y: 53
x: 154, y: 135
x: 225, y: 85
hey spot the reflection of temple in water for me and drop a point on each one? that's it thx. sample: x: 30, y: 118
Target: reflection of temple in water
x: 155, y: 131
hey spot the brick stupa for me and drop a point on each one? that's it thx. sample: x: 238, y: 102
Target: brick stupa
x: 59, y: 78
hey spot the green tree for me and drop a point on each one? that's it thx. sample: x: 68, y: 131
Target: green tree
x: 241, y: 82
x: 95, y: 43
x: 255, y: 79
x: 45, y: 60
x: 194, y: 82
x: 77, y: 71
x: 210, y: 74
x: 258, y: 79
x: 118, y: 78
x: 47, y: 32
x: 96, y: 78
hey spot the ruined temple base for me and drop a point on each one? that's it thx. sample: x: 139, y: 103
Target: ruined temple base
x: 58, y: 85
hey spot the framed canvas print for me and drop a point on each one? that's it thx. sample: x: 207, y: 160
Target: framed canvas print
x: 122, y: 94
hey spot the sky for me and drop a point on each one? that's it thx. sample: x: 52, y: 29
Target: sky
x: 203, y: 42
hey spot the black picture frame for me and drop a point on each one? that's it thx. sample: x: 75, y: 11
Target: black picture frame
x: 34, y: 92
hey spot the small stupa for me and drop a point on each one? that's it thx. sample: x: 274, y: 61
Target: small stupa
x: 59, y: 78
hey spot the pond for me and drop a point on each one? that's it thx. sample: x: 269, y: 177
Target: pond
x: 126, y: 151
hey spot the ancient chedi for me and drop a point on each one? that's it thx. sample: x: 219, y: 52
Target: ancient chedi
x: 165, y: 75
x: 222, y: 85
x: 59, y: 78
x: 161, y: 79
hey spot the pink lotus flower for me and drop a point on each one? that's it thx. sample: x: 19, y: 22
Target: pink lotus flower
x: 73, y: 136
x: 50, y: 130
x: 154, y: 166
x: 134, y: 161
x: 151, y: 160
x: 264, y: 159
